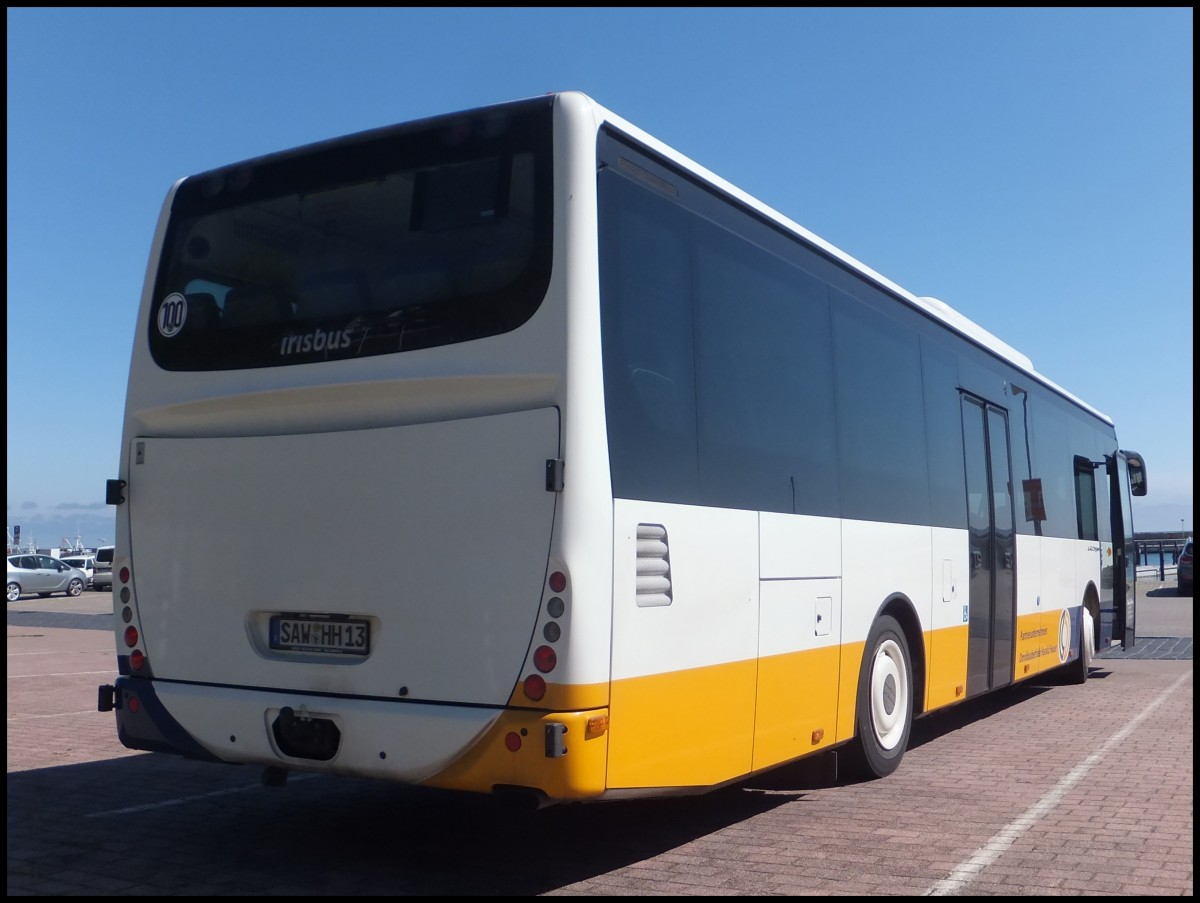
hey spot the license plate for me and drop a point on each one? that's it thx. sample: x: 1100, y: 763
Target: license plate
x: 331, y: 634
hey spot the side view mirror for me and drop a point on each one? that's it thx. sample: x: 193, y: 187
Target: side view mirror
x: 1137, y: 472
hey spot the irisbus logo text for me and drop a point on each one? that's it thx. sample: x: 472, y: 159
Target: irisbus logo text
x: 317, y: 340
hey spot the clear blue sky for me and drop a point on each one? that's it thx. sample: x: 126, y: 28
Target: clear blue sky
x: 1032, y: 168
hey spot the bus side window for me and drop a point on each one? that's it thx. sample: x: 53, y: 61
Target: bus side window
x: 659, y: 397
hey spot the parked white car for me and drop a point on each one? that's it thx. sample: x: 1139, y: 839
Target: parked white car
x: 85, y: 563
x: 43, y: 575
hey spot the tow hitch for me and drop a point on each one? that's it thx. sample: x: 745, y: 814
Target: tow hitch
x: 302, y: 736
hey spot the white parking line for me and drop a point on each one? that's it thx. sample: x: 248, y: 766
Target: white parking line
x: 965, y: 873
x: 191, y: 799
x: 51, y: 715
x: 107, y: 650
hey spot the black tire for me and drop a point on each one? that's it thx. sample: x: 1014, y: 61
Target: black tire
x: 75, y: 587
x: 14, y: 592
x: 884, y: 711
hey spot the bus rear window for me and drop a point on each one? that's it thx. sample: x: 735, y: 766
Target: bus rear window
x: 405, y: 238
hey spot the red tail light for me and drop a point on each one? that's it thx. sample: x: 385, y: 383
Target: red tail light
x: 544, y: 659
x: 535, y: 687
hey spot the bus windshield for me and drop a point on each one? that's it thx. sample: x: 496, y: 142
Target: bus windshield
x: 408, y: 238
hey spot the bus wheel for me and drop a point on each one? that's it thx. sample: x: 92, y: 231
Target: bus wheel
x: 884, y: 712
x: 1077, y: 671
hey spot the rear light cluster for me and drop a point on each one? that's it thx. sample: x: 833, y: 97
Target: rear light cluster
x: 545, y: 659
x: 137, y: 658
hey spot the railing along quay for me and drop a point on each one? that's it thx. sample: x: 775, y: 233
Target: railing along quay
x: 1166, y: 550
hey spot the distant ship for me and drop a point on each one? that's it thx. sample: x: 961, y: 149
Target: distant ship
x: 67, y: 547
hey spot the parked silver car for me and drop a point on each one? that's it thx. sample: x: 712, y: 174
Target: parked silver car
x: 102, y: 575
x: 43, y: 575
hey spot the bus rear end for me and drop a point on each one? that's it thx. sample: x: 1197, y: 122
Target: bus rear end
x: 342, y: 464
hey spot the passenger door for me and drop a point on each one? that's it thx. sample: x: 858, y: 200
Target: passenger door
x: 52, y: 574
x: 1127, y: 477
x: 27, y: 573
x: 42, y: 575
x: 992, y: 546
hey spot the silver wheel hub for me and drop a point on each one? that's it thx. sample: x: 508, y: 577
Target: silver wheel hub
x: 889, y: 694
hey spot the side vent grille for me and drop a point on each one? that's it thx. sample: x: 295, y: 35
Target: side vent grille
x: 653, y: 566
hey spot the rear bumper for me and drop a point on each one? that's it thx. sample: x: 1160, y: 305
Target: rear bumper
x: 557, y: 756
x: 396, y: 740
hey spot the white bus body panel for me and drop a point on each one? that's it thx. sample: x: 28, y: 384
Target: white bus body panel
x: 584, y: 528
x: 948, y: 579
x: 881, y: 560
x: 724, y: 567
x: 799, y: 545
x: 800, y: 569
x: 712, y: 618
x: 437, y: 534
x: 1059, y: 585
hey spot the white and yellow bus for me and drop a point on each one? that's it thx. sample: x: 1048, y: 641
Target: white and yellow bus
x: 526, y: 454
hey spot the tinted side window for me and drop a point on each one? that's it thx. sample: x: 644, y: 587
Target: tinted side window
x: 743, y: 366
x: 1052, y: 464
x: 881, y: 416
x: 649, y: 381
x: 721, y: 358
x: 1085, y: 499
x: 1090, y: 443
x: 943, y: 430
x: 763, y: 376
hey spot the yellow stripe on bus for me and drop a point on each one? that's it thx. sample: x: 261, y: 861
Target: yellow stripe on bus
x: 688, y: 728
x: 946, y: 677
x: 1043, y: 641
x: 576, y: 775
x: 702, y: 727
